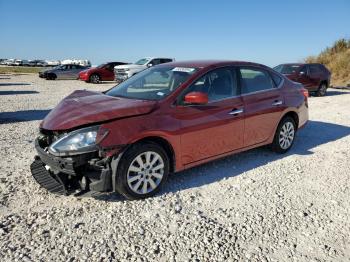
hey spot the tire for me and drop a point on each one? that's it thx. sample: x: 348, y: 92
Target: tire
x: 131, y: 175
x: 51, y: 77
x: 322, y: 90
x: 284, y: 136
x: 94, y: 78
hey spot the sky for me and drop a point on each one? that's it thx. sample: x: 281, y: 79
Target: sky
x: 268, y: 32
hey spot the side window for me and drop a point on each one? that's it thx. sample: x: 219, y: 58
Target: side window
x: 109, y: 67
x: 155, y: 62
x: 314, y: 69
x: 218, y: 84
x: 164, y: 60
x: 303, y: 70
x: 276, y: 79
x: 254, y: 80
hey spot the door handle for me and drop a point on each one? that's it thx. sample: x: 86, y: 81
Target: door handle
x: 236, y: 111
x: 277, y: 103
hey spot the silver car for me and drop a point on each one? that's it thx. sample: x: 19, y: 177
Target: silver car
x: 62, y: 72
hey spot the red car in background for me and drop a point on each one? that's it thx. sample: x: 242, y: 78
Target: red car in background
x: 104, y: 72
x: 165, y: 119
x: 315, y: 77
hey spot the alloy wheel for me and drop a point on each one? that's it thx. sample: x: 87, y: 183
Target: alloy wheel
x: 145, y: 172
x: 95, y: 79
x: 286, y: 135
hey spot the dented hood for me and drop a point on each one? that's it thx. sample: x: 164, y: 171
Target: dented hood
x: 84, y: 107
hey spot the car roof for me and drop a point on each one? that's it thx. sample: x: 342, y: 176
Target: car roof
x: 209, y: 63
x: 300, y: 64
x: 156, y: 57
x: 113, y: 62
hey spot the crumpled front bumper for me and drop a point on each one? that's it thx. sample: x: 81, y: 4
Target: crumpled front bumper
x: 73, y: 174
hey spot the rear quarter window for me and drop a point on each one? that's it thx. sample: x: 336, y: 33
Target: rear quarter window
x: 276, y: 79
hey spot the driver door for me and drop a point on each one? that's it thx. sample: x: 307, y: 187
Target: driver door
x: 217, y: 127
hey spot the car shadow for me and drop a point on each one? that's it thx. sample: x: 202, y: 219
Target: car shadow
x: 18, y: 92
x: 336, y: 93
x: 22, y: 116
x: 15, y: 84
x: 314, y: 134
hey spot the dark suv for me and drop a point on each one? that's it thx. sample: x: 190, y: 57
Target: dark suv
x: 315, y: 77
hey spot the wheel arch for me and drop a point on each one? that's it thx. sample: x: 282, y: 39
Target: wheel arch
x: 94, y: 73
x: 294, y: 115
x: 324, y: 81
x: 164, y: 143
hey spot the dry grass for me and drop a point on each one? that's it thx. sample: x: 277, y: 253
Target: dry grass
x: 337, y: 60
x: 19, y: 69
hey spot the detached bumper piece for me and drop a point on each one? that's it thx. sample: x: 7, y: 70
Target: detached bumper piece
x: 53, y: 184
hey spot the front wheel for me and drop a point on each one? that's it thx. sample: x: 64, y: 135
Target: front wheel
x: 284, y: 136
x: 51, y: 77
x: 142, y: 171
x: 95, y: 79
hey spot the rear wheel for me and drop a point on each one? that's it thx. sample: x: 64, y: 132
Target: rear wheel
x: 142, y: 171
x: 322, y: 90
x: 284, y: 136
x: 95, y: 79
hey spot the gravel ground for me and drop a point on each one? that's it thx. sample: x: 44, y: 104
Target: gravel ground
x: 253, y: 206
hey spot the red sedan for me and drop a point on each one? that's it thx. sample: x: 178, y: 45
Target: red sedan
x: 103, y: 72
x: 165, y: 119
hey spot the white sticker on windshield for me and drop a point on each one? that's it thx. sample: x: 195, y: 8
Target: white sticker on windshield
x: 160, y: 94
x: 183, y: 69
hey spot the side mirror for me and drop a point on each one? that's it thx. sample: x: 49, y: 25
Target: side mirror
x: 302, y: 73
x: 196, y: 98
x: 149, y: 65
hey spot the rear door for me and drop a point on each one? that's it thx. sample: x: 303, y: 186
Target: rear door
x: 315, y: 76
x: 263, y: 103
x: 107, y: 72
x: 69, y: 72
x: 304, y: 77
x: 64, y: 72
x: 217, y: 127
x: 74, y: 72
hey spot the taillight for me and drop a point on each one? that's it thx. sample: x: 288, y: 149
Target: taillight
x: 305, y: 92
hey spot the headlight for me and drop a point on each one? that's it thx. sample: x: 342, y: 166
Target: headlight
x: 76, y: 142
x: 126, y: 69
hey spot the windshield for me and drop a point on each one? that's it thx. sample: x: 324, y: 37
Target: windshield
x: 287, y: 69
x: 101, y: 65
x: 153, y: 84
x: 58, y: 67
x: 142, y: 61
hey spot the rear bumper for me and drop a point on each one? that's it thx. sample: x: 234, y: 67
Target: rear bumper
x: 75, y: 174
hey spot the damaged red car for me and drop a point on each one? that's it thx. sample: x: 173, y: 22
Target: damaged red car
x: 163, y: 120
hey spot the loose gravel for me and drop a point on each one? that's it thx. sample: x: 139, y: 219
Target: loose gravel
x: 253, y: 206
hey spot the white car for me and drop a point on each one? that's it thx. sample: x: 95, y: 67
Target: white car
x: 76, y: 62
x: 53, y: 63
x: 123, y: 72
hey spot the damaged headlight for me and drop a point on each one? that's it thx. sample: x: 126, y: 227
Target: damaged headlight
x: 76, y: 142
